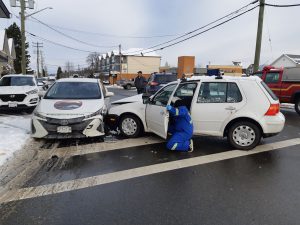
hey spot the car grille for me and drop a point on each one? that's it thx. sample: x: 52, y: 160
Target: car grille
x: 13, y: 98
x: 64, y: 122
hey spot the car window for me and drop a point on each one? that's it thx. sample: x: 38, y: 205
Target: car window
x: 17, y: 81
x: 74, y: 90
x: 272, y: 78
x: 219, y: 92
x: 233, y: 93
x: 163, y: 96
x: 186, y: 90
x: 212, y: 92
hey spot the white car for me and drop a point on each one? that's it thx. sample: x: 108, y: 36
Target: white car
x: 241, y: 109
x: 71, y: 108
x: 18, y: 92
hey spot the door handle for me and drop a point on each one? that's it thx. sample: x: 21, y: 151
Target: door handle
x: 230, y: 108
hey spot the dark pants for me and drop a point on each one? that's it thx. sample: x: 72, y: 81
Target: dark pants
x: 140, y: 90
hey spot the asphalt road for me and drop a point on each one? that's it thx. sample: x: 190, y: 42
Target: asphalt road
x: 145, y: 184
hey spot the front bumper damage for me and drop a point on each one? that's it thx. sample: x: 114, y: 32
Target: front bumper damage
x: 80, y: 127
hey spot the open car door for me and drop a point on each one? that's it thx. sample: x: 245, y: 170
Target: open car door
x: 157, y: 117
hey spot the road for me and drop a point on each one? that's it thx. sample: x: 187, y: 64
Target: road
x: 136, y: 181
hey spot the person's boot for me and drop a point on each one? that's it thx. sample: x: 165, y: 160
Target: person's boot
x: 191, y: 146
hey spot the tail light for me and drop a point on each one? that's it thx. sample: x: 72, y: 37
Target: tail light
x: 273, y: 110
x: 154, y: 83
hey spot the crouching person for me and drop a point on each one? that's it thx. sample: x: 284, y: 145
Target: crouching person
x: 180, y: 127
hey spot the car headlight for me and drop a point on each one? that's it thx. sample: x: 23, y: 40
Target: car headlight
x: 102, y: 111
x: 39, y: 115
x: 32, y: 92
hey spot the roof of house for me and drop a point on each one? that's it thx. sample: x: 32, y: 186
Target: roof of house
x: 4, y: 13
x: 293, y: 58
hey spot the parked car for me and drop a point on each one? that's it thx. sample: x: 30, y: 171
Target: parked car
x: 158, y: 80
x: 126, y: 84
x: 71, y: 108
x: 285, y: 83
x: 18, y: 92
x: 241, y: 109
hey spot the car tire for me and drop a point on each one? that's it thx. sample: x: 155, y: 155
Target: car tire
x: 297, y: 105
x: 130, y: 126
x: 128, y: 86
x: 244, y: 135
x: 125, y: 87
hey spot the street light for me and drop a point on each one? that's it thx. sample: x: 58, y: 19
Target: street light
x: 30, y: 5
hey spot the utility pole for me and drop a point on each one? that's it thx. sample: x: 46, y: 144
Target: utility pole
x: 259, y: 35
x: 22, y: 14
x: 37, y: 45
x: 120, y: 56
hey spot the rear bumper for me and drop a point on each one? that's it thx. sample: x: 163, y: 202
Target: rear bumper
x: 272, y: 125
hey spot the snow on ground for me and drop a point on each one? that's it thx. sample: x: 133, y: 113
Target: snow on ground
x: 14, y: 132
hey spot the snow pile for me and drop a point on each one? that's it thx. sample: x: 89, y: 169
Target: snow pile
x: 14, y: 132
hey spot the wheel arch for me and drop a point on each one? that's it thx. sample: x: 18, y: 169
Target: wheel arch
x: 295, y: 96
x: 242, y: 119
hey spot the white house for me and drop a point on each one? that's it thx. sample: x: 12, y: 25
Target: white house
x: 287, y: 60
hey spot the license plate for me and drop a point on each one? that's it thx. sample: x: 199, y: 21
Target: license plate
x: 64, y: 129
x: 12, y: 105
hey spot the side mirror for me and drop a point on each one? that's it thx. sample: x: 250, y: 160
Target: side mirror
x: 109, y: 94
x: 146, y: 98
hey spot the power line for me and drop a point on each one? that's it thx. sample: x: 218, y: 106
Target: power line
x: 200, y: 28
x: 197, y: 34
x: 70, y: 37
x: 58, y: 44
x: 282, y: 6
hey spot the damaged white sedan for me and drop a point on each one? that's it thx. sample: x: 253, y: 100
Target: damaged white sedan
x: 71, y: 108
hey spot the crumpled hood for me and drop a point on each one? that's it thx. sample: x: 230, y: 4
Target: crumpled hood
x: 135, y: 98
x: 7, y: 90
x: 69, y: 108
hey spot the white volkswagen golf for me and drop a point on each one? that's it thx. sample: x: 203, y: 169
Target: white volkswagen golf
x: 242, y: 109
x: 71, y: 108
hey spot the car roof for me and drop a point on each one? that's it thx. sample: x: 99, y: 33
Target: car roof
x: 91, y: 80
x: 18, y: 75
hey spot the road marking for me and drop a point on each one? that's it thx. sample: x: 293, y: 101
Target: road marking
x: 49, y: 189
x: 107, y: 146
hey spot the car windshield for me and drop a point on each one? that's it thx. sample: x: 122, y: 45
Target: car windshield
x: 17, y: 81
x: 164, y: 78
x: 74, y: 90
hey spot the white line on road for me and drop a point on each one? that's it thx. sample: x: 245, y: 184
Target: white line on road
x: 107, y: 146
x: 44, y: 190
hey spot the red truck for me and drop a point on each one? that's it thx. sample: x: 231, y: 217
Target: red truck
x: 284, y: 82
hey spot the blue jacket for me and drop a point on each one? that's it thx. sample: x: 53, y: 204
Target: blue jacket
x: 181, y: 121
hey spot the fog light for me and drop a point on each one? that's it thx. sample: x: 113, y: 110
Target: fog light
x: 33, y: 100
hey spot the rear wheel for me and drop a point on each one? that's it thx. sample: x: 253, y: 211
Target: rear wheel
x: 128, y: 86
x: 244, y: 135
x: 130, y: 126
x: 297, y: 105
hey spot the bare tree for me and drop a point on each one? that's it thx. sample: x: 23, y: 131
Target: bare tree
x: 93, y: 59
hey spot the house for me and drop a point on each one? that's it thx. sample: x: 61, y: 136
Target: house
x: 7, y: 54
x: 126, y: 65
x: 287, y: 60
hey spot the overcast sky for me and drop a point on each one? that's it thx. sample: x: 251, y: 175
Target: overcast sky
x: 234, y: 41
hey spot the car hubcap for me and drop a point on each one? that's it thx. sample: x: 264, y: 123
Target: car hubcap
x: 244, y: 135
x: 129, y: 126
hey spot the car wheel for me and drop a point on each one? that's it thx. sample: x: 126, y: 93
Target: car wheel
x: 125, y: 87
x: 244, y: 135
x: 130, y: 126
x: 128, y: 86
x: 297, y: 105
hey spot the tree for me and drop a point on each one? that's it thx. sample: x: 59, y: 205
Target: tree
x: 13, y: 31
x: 94, y: 61
x: 59, y: 73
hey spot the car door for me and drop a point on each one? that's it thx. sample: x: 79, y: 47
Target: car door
x: 157, y: 117
x: 216, y: 103
x: 273, y: 79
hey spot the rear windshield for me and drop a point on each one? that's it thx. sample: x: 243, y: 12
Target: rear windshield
x: 271, y: 93
x: 163, y: 78
x: 17, y: 81
x: 74, y: 90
